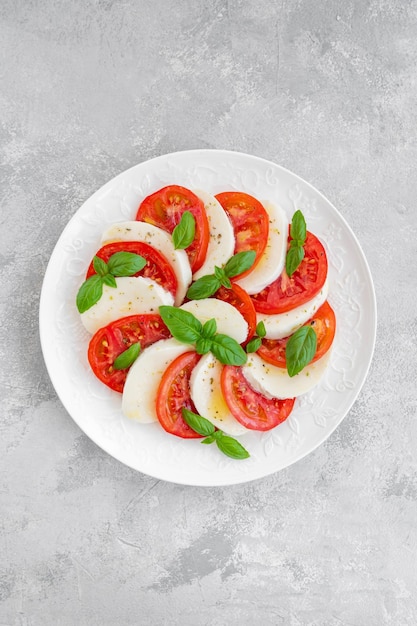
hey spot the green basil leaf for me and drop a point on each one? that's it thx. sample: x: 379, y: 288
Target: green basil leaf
x: 260, y: 329
x: 298, y: 229
x: 184, y: 232
x: 125, y: 263
x: 109, y: 280
x: 209, y: 328
x: 100, y: 266
x: 231, y: 447
x: 254, y: 344
x: 200, y: 424
x: 89, y: 293
x: 209, y: 439
x: 227, y: 350
x: 293, y: 259
x: 239, y: 263
x: 203, y: 345
x: 204, y: 287
x: 181, y: 324
x: 126, y: 358
x: 220, y: 274
x: 301, y: 348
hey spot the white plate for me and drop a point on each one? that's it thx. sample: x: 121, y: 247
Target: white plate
x: 148, y: 448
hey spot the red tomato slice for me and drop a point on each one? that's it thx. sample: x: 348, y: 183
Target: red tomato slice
x: 250, y: 223
x: 251, y: 408
x: 110, y: 341
x: 324, y: 324
x: 288, y: 292
x: 164, y: 209
x: 241, y: 300
x: 157, y: 267
x: 174, y: 394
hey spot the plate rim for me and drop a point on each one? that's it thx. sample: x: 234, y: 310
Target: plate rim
x: 195, y: 152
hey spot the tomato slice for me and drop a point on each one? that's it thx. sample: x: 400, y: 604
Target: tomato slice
x: 324, y: 324
x: 250, y: 223
x: 110, y: 341
x: 157, y: 267
x: 251, y: 408
x: 174, y: 394
x: 288, y: 292
x: 241, y: 300
x: 164, y: 209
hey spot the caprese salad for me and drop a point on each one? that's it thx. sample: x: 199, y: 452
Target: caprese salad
x: 208, y: 314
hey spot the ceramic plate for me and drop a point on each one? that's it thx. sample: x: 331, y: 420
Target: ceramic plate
x: 148, y: 448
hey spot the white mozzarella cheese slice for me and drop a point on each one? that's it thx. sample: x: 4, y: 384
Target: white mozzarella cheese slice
x: 159, y: 239
x: 274, y: 382
x: 284, y: 324
x: 229, y: 321
x: 272, y: 261
x: 221, y: 244
x: 133, y: 295
x: 207, y: 395
x: 144, y: 377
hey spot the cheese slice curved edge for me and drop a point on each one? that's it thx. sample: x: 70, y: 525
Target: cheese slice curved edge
x: 274, y: 382
x: 206, y: 393
x: 159, y: 239
x: 144, y: 377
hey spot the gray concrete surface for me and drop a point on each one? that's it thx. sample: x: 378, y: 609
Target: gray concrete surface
x: 326, y: 89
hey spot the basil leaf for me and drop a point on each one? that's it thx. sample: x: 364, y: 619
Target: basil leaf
x: 109, y: 280
x: 298, y: 229
x: 226, y: 282
x: 209, y: 439
x: 231, y: 447
x: 301, y: 348
x: 227, y: 350
x: 260, y: 329
x: 89, y: 293
x: 220, y: 274
x: 184, y: 232
x: 198, y: 423
x: 254, y: 344
x: 126, y: 358
x: 239, y: 263
x: 294, y: 257
x: 204, y: 287
x: 181, y: 324
x: 100, y: 266
x: 209, y: 328
x: 203, y: 345
x: 125, y: 263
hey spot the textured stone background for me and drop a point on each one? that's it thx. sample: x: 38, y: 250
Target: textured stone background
x: 329, y: 90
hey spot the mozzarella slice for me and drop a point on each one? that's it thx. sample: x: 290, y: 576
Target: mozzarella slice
x: 284, y: 324
x: 274, y: 382
x: 144, y: 377
x: 272, y: 261
x: 133, y: 295
x: 222, y: 239
x: 159, y: 239
x: 229, y: 321
x: 207, y: 395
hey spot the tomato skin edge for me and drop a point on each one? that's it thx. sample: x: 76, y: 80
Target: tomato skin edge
x: 154, y: 209
x: 109, y: 342
x: 275, y: 298
x: 271, y: 411
x: 235, y: 204
x: 273, y: 350
x: 180, y: 368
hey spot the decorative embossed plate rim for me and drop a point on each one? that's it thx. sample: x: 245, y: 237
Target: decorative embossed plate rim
x: 147, y: 448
